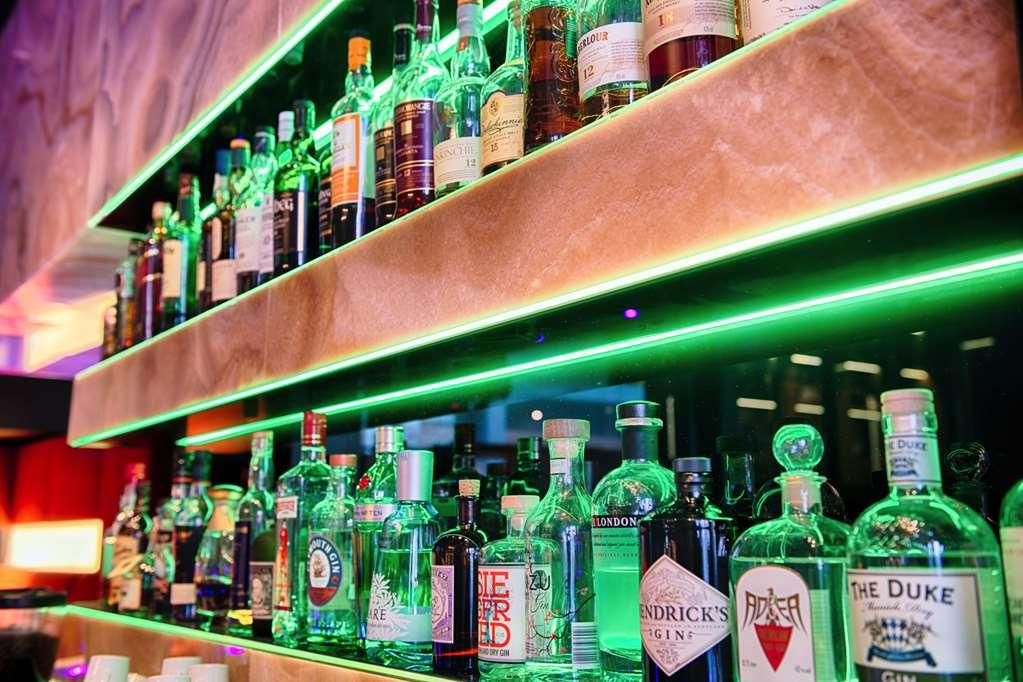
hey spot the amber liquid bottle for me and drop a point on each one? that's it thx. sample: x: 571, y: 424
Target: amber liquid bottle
x: 552, y: 81
x: 681, y: 36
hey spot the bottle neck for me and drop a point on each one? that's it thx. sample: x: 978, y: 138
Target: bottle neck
x: 468, y: 510
x: 261, y: 471
x: 800, y: 493
x: 692, y: 489
x: 738, y: 476
x: 427, y: 31
x: 567, y: 462
x: 344, y: 481
x: 404, y: 35
x: 221, y: 194
x: 471, y: 57
x: 639, y: 443
x: 180, y: 488
x: 513, y: 45
x: 314, y: 453
x: 464, y: 461
x: 516, y: 524
x: 911, y: 452
x: 359, y: 79
x: 222, y: 518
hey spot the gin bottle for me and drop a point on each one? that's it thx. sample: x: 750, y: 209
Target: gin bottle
x: 375, y: 500
x: 559, y: 555
x: 612, y: 66
x: 788, y: 577
x: 163, y: 534
x: 398, y: 628
x: 214, y: 558
x: 299, y: 490
x: 331, y: 592
x: 188, y: 528
x: 264, y: 169
x: 296, y: 233
x: 503, y: 629
x: 639, y: 486
x: 383, y: 127
x: 739, y: 493
x: 1012, y: 555
x: 455, y: 621
x: 463, y: 467
x: 925, y: 574
x: 501, y: 116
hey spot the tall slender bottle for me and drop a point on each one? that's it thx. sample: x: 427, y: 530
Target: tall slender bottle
x: 739, y: 492
x: 527, y: 479
x: 188, y: 528
x: 296, y: 234
x: 559, y: 554
x: 180, y: 251
x: 247, y: 205
x: 501, y: 116
x: 149, y: 276
x: 299, y: 490
x: 414, y: 115
x: 638, y: 487
x: 552, y: 80
x: 163, y: 536
x: 463, y: 466
x: 225, y: 251
x: 131, y: 543
x: 212, y: 232
x: 791, y: 611
x: 383, y: 127
x: 375, y: 500
x: 214, y: 558
x: 683, y: 600
x: 110, y: 591
x: 925, y: 573
x: 264, y: 170
x: 124, y: 285
x: 681, y: 36
x: 612, y: 66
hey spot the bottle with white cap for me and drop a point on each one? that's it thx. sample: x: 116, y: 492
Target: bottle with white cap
x: 925, y: 573
x: 788, y: 578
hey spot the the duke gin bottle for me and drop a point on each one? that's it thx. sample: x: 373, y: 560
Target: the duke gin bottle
x: 925, y: 575
x: 789, y: 599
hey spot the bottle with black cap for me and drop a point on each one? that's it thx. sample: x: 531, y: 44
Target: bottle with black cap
x: 683, y: 592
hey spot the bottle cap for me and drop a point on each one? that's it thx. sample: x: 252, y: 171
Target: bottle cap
x: 240, y: 153
x: 262, y: 441
x: 222, y: 164
x: 358, y: 49
x: 239, y: 143
x: 226, y: 492
x: 314, y: 429
x: 566, y: 428
x: 907, y: 400
x: 343, y: 460
x: 135, y: 471
x: 390, y: 438
x: 305, y: 115
x: 798, y: 447
x: 161, y: 209
x: 692, y: 465
x: 519, y: 502
x: 424, y: 19
x: 469, y: 487
x: 528, y: 444
x: 285, y: 126
x: 638, y: 413
x: 415, y: 475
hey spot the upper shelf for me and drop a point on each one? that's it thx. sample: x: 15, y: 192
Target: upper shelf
x: 861, y: 111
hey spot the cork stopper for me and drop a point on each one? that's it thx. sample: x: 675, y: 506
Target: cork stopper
x: 314, y: 429
x: 343, y: 460
x: 907, y: 401
x: 469, y: 487
x: 566, y: 428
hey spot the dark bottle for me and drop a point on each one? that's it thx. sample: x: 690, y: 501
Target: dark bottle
x: 681, y: 37
x: 239, y: 183
x: 189, y: 524
x: 527, y: 479
x: 552, y: 80
x: 149, y: 277
x: 684, y: 564
x: 163, y: 546
x: 180, y: 251
x: 212, y: 232
x: 463, y: 466
x: 383, y: 127
x: 296, y: 232
x: 261, y: 582
x: 738, y: 493
x: 492, y: 520
x: 130, y: 545
x: 456, y: 556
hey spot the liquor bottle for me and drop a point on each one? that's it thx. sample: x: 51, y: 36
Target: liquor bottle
x: 457, y: 130
x: 769, y: 502
x: 456, y: 555
x: 757, y: 18
x: 739, y: 493
x: 502, y: 594
x: 552, y: 81
x: 331, y: 590
x: 124, y: 285
x: 299, y: 490
x: 261, y: 582
x: 255, y: 517
x: 110, y: 592
x: 180, y: 251
x: 414, y: 115
x: 264, y: 170
x: 247, y: 214
x: 683, y: 600
x: 491, y: 519
x: 225, y: 263
x: 109, y: 347
x: 925, y: 573
x: 212, y: 232
x: 352, y: 190
x: 527, y: 479
x: 137, y: 584
x: 968, y: 463
x: 1011, y: 532
x: 612, y: 66
x: 296, y: 235
x: 131, y: 543
x: 559, y: 556
x: 788, y: 579
x: 375, y: 500
x: 501, y: 116
x: 326, y: 241
x: 214, y: 558
x: 163, y: 534
x: 188, y: 528
x: 463, y: 466
x: 383, y: 128
x: 637, y: 487
x: 398, y: 627
x: 680, y: 36
x: 149, y: 277
x: 285, y: 133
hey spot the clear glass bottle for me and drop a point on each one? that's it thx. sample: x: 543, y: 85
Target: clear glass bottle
x: 637, y: 487
x: 212, y: 232
x: 111, y: 591
x: 1011, y: 533
x: 551, y: 32
x: 738, y: 492
x: 149, y: 276
x: 559, y: 556
x: 331, y: 590
x: 225, y: 251
x: 398, y: 628
x: 375, y: 500
x: 188, y: 528
x: 180, y: 251
x: 788, y: 578
x: 130, y: 545
x: 215, y: 556
x: 163, y: 534
x: 383, y: 127
x: 463, y: 466
x: 612, y: 65
x: 501, y: 116
x: 527, y: 479
x: 264, y: 170
x: 925, y: 572
x: 299, y: 490
x: 296, y: 232
x: 681, y: 36
x: 457, y: 128
x: 247, y: 205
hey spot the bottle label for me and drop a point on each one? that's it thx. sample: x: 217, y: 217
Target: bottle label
x: 680, y: 615
x: 413, y: 146
x: 543, y: 641
x: 200, y: 276
x: 615, y: 541
x: 373, y: 513
x: 668, y: 20
x: 186, y: 544
x: 442, y: 604
x: 325, y: 572
x: 383, y: 157
x: 923, y: 622
x: 282, y: 576
x: 502, y: 613
x: 216, y: 237
x: 131, y: 594
x: 182, y: 594
x: 225, y: 280
x: 560, y: 466
x: 774, y: 625
x: 172, y: 249
x: 266, y: 234
x: 458, y: 160
x: 261, y: 589
x: 501, y: 118
x: 240, y: 565
x: 912, y: 459
x: 612, y: 53
x: 247, y: 238
x: 1012, y: 558
x: 389, y: 620
x: 286, y: 507
x: 346, y: 151
x: 760, y: 17
x: 324, y: 222
x: 292, y: 218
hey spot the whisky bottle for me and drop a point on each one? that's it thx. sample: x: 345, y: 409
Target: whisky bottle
x: 214, y: 558
x: 681, y: 36
x: 552, y: 80
x: 925, y: 573
x: 456, y: 556
x: 501, y: 116
x: 180, y: 251
x: 264, y: 169
x: 559, y: 555
x: 296, y: 237
x: 383, y: 128
x: 757, y: 18
x: 130, y: 543
x: 163, y: 534
x: 188, y: 527
x: 247, y: 214
x: 124, y: 285
x: 225, y: 263
x: 683, y: 592
x: 463, y: 466
x: 456, y: 144
x: 1011, y: 532
x: 791, y: 613
x: 738, y: 492
x: 612, y: 65
x: 149, y: 277
x: 414, y: 115
x: 212, y: 232
x: 637, y: 487
x: 109, y: 347
x: 110, y: 590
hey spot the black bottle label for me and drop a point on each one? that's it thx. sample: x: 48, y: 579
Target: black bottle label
x: 240, y: 565
x: 261, y: 581
x: 383, y: 155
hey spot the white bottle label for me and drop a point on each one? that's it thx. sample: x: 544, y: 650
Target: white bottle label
x: 266, y: 234
x: 225, y: 281
x: 923, y: 621
x: 287, y: 507
x: 442, y: 604
x: 774, y: 622
x: 326, y: 574
x: 612, y: 53
x: 502, y: 613
x: 374, y: 513
x: 680, y: 615
x: 247, y: 238
x: 1012, y: 560
x: 667, y: 20
x: 388, y: 620
x: 542, y: 641
x: 760, y: 17
x: 172, y: 268
x: 560, y: 466
x: 501, y: 119
x: 912, y: 459
x: 456, y: 160
x: 182, y: 594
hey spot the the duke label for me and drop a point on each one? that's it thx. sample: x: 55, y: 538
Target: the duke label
x: 912, y: 459
x: 502, y: 613
x: 774, y: 625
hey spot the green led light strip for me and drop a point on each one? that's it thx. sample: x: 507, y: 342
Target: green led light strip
x: 972, y: 179
x: 172, y: 630
x: 945, y: 277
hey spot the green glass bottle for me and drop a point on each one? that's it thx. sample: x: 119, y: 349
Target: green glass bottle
x: 296, y: 232
x: 180, y: 252
x: 264, y: 170
x: 925, y: 574
x: 1012, y: 556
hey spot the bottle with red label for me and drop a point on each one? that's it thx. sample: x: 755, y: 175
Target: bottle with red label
x: 681, y: 36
